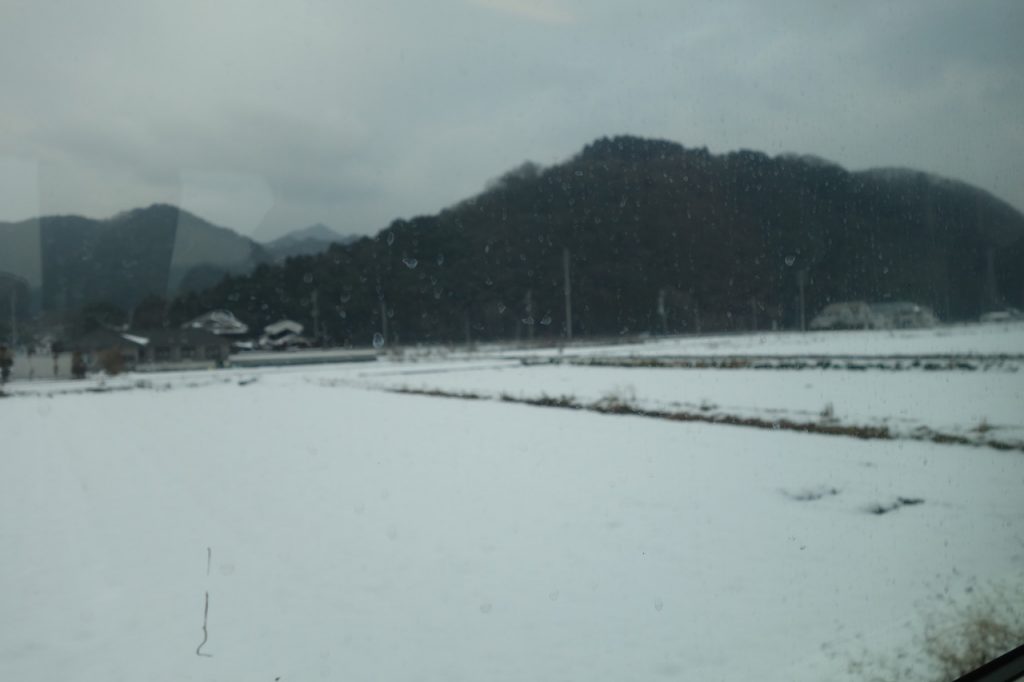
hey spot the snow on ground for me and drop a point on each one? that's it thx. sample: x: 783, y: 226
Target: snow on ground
x: 974, y: 338
x: 946, y: 401
x: 360, y: 534
x: 1004, y: 338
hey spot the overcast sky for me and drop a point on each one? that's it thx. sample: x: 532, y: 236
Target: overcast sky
x: 269, y: 116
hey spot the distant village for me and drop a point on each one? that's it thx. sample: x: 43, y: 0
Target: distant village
x: 214, y: 339
x: 218, y: 338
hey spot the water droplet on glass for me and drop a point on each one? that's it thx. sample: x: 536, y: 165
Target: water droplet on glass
x: 410, y: 263
x: 440, y: 259
x: 308, y: 278
x: 487, y: 248
x: 501, y: 308
x: 342, y: 314
x: 528, y: 319
x: 790, y: 260
x: 546, y: 320
x: 485, y: 607
x: 391, y: 312
x: 391, y: 238
x: 378, y: 340
x: 658, y: 605
x: 345, y: 297
x: 553, y: 596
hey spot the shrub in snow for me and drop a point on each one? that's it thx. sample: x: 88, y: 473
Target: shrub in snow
x: 958, y: 636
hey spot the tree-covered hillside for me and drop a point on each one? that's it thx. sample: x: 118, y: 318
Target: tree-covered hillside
x: 660, y: 238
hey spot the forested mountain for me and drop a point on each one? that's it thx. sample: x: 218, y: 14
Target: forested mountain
x: 659, y: 238
x: 71, y: 261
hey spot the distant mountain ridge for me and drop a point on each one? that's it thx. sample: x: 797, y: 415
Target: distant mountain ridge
x: 660, y: 238
x: 71, y: 261
x: 305, y: 241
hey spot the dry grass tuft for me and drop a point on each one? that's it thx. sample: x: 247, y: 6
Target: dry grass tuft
x: 958, y: 637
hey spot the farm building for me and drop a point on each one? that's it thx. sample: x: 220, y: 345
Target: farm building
x: 861, y: 315
x: 154, y: 349
x: 845, y: 315
x: 283, y: 334
x: 219, y: 322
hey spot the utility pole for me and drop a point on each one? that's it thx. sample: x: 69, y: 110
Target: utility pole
x: 315, y: 300
x: 991, y: 288
x: 568, y: 293
x: 661, y: 312
x: 801, y: 280
x: 529, y: 314
x: 14, y: 318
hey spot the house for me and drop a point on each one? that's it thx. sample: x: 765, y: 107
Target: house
x: 154, y: 349
x: 902, y: 315
x: 1004, y: 315
x: 861, y: 315
x: 844, y: 315
x: 283, y: 334
x: 219, y: 322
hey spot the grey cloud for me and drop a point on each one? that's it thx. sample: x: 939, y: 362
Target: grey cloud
x: 359, y: 112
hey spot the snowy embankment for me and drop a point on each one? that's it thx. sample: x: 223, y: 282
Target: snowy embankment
x: 990, y: 339
x: 358, y: 534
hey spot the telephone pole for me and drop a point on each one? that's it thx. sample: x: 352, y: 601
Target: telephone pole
x: 14, y: 317
x: 661, y: 312
x: 801, y: 280
x: 568, y: 293
x: 316, y: 316
x: 529, y: 314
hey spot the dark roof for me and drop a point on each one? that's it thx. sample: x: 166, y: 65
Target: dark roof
x: 100, y: 339
x: 181, y: 337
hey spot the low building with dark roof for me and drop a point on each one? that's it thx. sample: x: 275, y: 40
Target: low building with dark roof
x: 155, y: 349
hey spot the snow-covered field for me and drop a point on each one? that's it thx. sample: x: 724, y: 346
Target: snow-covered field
x: 342, y: 531
x: 1006, y: 338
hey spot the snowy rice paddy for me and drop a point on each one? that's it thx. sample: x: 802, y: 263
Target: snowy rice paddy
x: 338, y: 529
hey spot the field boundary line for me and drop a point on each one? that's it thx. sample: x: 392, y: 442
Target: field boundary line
x: 622, y: 408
